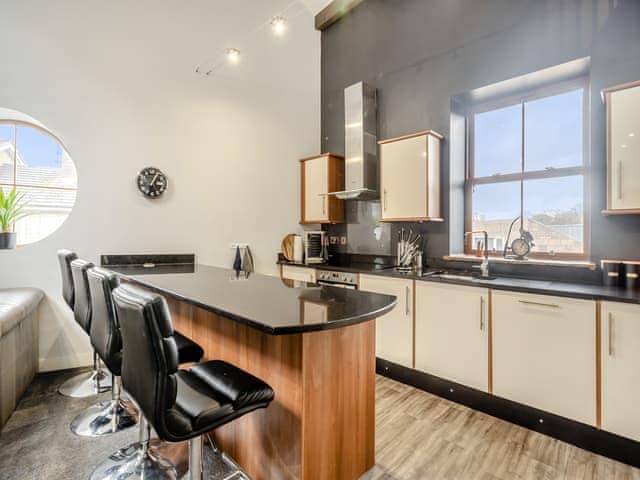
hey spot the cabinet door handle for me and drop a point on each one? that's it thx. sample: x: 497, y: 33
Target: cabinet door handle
x: 384, y: 206
x: 620, y: 180
x: 540, y: 304
x: 611, y: 334
x: 406, y: 299
x: 481, y: 313
x: 324, y: 210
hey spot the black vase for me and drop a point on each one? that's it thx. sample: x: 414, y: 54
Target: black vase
x: 7, y: 240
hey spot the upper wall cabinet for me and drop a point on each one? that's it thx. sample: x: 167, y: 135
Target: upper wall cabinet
x: 623, y: 149
x: 318, y: 176
x: 410, y: 178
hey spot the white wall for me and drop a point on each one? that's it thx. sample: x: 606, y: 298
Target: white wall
x: 116, y: 82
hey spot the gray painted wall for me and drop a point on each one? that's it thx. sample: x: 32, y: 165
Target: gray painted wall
x: 421, y: 53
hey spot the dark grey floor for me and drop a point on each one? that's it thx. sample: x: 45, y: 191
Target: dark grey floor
x: 36, y: 443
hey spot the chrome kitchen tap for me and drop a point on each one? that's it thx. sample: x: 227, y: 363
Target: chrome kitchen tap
x: 484, y: 266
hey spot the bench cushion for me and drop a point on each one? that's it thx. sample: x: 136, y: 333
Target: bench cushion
x: 15, y: 305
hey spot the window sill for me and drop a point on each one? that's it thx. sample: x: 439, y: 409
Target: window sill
x: 531, y: 261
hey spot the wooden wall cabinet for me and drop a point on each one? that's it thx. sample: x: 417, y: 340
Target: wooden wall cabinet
x: 623, y: 149
x: 394, y: 330
x: 544, y: 353
x: 410, y: 178
x: 452, y: 333
x: 620, y: 366
x: 320, y: 175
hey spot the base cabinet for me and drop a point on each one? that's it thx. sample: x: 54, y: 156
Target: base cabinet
x: 394, y: 330
x: 620, y: 347
x: 544, y: 353
x: 452, y: 340
x: 299, y: 274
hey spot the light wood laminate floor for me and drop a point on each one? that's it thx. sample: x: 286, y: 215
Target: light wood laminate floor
x: 421, y: 436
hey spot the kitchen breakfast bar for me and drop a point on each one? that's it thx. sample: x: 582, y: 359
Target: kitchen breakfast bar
x: 315, y: 346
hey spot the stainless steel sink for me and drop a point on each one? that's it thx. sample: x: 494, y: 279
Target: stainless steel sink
x: 455, y: 276
x: 463, y: 276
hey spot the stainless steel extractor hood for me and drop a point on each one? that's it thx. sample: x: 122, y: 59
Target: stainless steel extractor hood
x: 360, y: 144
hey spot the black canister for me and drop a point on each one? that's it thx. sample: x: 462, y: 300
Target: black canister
x: 632, y: 275
x: 612, y: 273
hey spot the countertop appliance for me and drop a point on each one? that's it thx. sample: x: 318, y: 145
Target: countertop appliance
x: 335, y: 278
x: 314, y: 247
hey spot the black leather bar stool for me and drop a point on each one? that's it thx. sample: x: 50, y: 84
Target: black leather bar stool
x: 75, y: 292
x: 104, y: 418
x: 180, y: 404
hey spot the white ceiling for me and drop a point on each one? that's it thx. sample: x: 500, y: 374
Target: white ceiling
x: 195, y: 33
x: 315, y: 6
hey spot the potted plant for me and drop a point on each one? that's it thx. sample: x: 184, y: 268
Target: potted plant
x: 12, y: 206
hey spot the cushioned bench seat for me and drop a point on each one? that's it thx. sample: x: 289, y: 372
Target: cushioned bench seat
x: 18, y: 345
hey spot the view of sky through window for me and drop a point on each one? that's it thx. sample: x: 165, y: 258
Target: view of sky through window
x: 553, y: 139
x: 38, y: 167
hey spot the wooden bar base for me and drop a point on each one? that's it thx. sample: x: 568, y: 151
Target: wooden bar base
x: 321, y: 425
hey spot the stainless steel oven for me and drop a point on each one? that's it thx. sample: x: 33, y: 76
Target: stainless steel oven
x: 338, y: 279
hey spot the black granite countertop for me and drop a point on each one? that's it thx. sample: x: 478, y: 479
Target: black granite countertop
x: 263, y: 302
x: 523, y: 285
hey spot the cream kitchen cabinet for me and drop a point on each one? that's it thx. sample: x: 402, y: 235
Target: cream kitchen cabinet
x: 623, y: 149
x: 620, y: 354
x: 410, y: 178
x: 300, y: 274
x: 394, y: 330
x: 318, y: 176
x: 452, y: 333
x: 544, y: 353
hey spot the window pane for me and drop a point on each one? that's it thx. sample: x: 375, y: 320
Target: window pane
x: 495, y: 206
x: 554, y: 131
x: 6, y: 154
x: 46, y: 209
x: 42, y: 161
x: 498, y: 141
x: 554, y: 213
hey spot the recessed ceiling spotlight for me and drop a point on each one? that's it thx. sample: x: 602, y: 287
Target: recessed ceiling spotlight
x: 233, y: 55
x: 623, y: 145
x: 632, y: 134
x: 279, y: 25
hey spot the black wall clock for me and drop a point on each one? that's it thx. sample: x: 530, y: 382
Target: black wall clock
x: 152, y: 182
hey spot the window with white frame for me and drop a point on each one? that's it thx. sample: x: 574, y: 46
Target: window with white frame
x: 36, y: 164
x: 528, y: 155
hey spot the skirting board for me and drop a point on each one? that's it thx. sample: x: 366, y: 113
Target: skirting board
x: 50, y: 364
x: 579, y: 434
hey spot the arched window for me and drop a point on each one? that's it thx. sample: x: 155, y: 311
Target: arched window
x: 36, y: 163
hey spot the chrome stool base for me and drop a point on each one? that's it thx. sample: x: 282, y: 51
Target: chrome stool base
x: 88, y: 384
x: 140, y: 462
x: 105, y: 418
x: 153, y: 459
